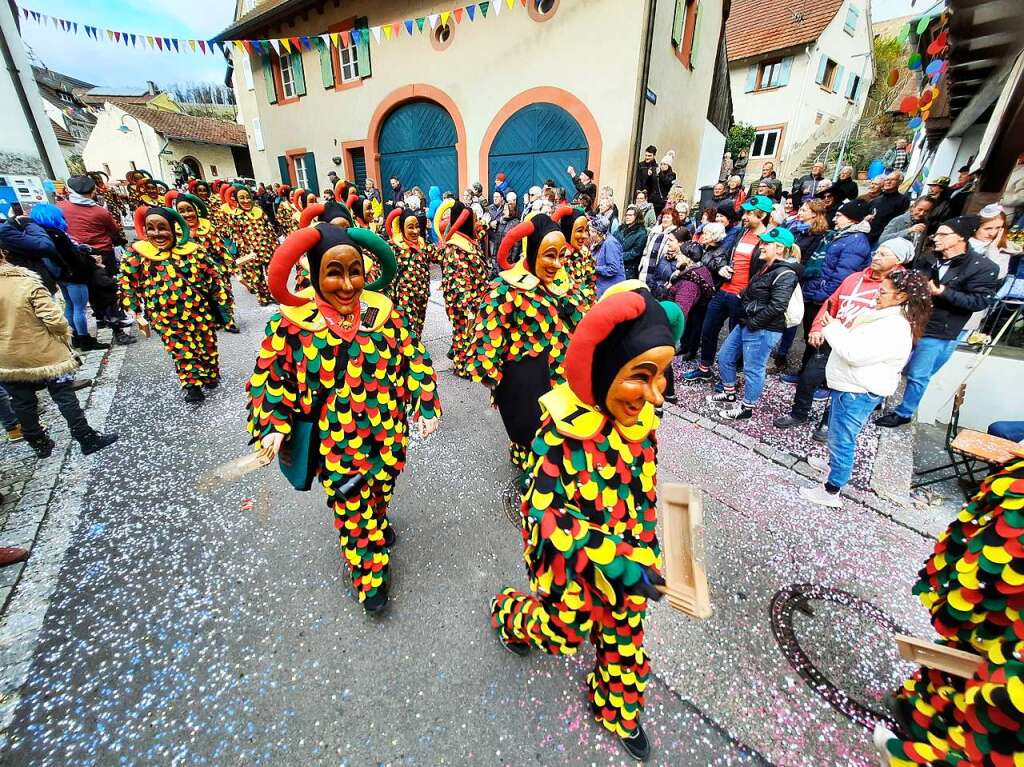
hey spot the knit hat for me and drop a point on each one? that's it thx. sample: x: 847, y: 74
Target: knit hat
x: 901, y: 248
x: 964, y: 226
x: 669, y: 158
x: 81, y: 184
x: 855, y: 210
x: 992, y: 210
x: 728, y: 209
x: 600, y: 225
x: 759, y: 202
x: 500, y: 177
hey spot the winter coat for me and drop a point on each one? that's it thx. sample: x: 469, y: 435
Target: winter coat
x: 690, y: 286
x: 970, y: 283
x: 608, y: 264
x: 808, y: 242
x: 739, y: 167
x: 845, y: 189
x: 852, y: 298
x: 588, y: 189
x: 763, y: 304
x: 29, y: 246
x: 848, y: 252
x: 723, y: 256
x: 886, y: 207
x: 34, y: 336
x: 869, y: 356
x: 658, y: 273
x: 666, y: 178
x: 76, y: 266
x: 647, y: 177
x: 632, y: 240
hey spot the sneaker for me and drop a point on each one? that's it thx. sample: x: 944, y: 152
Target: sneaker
x: 90, y: 343
x: 715, y: 399
x: 891, y: 420
x: 194, y: 394
x: 791, y: 378
x: 96, y: 442
x: 211, y: 384
x: 818, y: 464
x: 788, y: 421
x: 697, y: 374
x: 819, y: 495
x: 742, y: 413
x: 81, y: 383
x: 821, y: 434
x: 672, y: 398
x: 820, y: 395
x: 123, y: 339
x: 637, y: 745
x: 14, y: 433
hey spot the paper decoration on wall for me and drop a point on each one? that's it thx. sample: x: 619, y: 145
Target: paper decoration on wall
x: 938, y: 44
x: 894, y: 77
x: 923, y: 23
x: 914, y: 62
x: 914, y: 123
x: 910, y: 105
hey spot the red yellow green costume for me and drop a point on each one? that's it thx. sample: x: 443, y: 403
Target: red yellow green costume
x: 360, y: 384
x: 973, y: 586
x: 465, y: 276
x: 589, y: 515
x: 177, y: 291
x: 256, y: 240
x: 579, y: 261
x: 411, y: 289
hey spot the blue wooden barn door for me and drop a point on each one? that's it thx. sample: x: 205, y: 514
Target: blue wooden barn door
x: 536, y: 143
x: 417, y: 144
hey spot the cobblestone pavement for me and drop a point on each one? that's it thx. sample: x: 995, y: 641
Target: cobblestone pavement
x: 157, y: 625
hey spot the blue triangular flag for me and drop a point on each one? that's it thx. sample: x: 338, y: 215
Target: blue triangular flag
x: 471, y: 11
x: 305, y: 43
x: 408, y: 26
x: 356, y: 36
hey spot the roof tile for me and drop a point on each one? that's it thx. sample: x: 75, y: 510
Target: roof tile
x: 756, y: 27
x: 183, y: 127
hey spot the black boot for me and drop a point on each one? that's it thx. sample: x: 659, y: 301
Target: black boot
x: 42, y: 445
x: 379, y: 600
x: 390, y: 539
x: 637, y: 744
x: 211, y: 384
x: 81, y: 383
x: 123, y: 339
x: 194, y: 394
x: 96, y: 441
x: 76, y: 341
x: 89, y: 343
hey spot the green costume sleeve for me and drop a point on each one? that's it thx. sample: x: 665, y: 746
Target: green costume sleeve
x: 273, y: 387
x: 420, y: 379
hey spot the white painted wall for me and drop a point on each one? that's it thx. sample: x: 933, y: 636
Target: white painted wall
x: 710, y: 162
x: 119, y: 150
x: 993, y: 391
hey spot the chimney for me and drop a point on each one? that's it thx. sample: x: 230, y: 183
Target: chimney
x: 151, y: 88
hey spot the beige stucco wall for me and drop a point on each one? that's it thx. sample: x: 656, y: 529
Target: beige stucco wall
x: 488, y: 63
x: 208, y: 155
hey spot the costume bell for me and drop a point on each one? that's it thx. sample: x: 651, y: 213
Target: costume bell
x: 171, y: 287
x: 201, y: 231
x: 411, y: 288
x: 589, y: 509
x: 465, y: 276
x: 522, y: 332
x: 256, y: 240
x: 579, y: 261
x: 337, y: 377
x: 973, y: 586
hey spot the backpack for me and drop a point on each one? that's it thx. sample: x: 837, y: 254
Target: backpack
x: 795, y: 308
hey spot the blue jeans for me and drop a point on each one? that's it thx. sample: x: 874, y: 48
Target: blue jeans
x: 929, y: 355
x: 786, y: 342
x: 76, y: 298
x: 723, y: 306
x: 847, y: 416
x: 755, y: 346
x: 7, y: 416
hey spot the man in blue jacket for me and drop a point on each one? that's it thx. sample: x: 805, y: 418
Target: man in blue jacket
x: 29, y: 246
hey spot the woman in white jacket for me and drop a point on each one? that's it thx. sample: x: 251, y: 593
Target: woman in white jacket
x: 864, y: 368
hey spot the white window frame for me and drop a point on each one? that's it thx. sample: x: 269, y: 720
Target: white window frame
x: 766, y: 133
x: 301, y: 180
x: 287, y: 76
x: 257, y: 134
x: 348, y: 60
x: 67, y: 98
x: 247, y: 72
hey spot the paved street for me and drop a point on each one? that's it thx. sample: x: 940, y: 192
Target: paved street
x: 183, y: 629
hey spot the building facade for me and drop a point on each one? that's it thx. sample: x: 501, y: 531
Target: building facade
x: 71, y: 117
x: 800, y: 75
x: 527, y: 92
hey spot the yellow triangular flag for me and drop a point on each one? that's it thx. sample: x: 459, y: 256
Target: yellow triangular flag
x: 192, y: 45
x: 110, y: 35
x: 151, y: 41
x: 334, y: 39
x: 387, y: 32
x: 444, y: 17
x: 285, y: 44
x: 511, y: 4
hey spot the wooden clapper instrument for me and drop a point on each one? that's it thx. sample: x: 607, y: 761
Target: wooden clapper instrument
x: 682, y: 517
x: 956, y: 662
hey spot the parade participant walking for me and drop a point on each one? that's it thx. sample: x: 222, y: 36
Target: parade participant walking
x: 167, y: 282
x: 590, y: 543
x: 35, y: 354
x: 256, y: 240
x: 202, y: 233
x: 465, y: 277
x: 411, y: 288
x: 523, y: 329
x: 336, y: 379
x: 864, y: 367
x: 579, y: 261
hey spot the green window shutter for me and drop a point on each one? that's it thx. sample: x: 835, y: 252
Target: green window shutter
x: 696, y: 34
x: 363, y: 47
x: 300, y: 76
x: 678, y: 20
x: 268, y: 79
x: 785, y: 70
x: 312, y: 182
x: 326, y: 63
x: 751, y: 78
x: 822, y: 63
x: 286, y: 174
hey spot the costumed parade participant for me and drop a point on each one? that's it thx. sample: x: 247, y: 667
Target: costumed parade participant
x: 973, y: 586
x: 255, y: 239
x: 589, y: 535
x: 579, y: 261
x: 287, y: 216
x: 201, y: 231
x: 107, y: 196
x: 523, y: 328
x: 465, y: 276
x: 336, y: 379
x: 364, y: 215
x: 136, y: 180
x: 411, y: 288
x: 169, y: 284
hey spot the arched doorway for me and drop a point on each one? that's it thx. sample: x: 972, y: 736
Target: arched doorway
x: 539, y: 141
x: 417, y: 143
x: 193, y: 167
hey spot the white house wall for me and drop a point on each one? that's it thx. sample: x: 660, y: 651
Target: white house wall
x: 108, y: 145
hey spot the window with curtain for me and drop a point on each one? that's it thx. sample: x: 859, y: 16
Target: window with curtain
x: 301, y: 180
x: 348, y: 57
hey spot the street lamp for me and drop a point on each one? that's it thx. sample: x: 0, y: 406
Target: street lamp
x: 125, y: 129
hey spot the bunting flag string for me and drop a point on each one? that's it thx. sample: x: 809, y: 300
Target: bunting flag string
x: 380, y: 33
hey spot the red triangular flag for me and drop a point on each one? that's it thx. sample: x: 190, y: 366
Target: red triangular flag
x: 202, y: 46
x: 297, y: 43
x: 248, y: 46
x: 457, y: 13
x: 159, y: 43
x: 117, y: 37
x: 346, y: 38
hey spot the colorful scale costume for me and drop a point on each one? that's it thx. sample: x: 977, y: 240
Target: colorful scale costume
x: 589, y: 516
x: 465, y: 276
x: 255, y: 237
x: 411, y: 288
x: 177, y: 291
x: 521, y: 335
x: 360, y: 384
x: 973, y: 585
x: 210, y: 242
x: 579, y: 261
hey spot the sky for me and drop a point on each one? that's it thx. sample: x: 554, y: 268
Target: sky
x: 104, y: 63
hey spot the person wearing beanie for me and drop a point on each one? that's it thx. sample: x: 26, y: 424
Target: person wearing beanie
x: 255, y: 238
x: 171, y: 287
x: 889, y: 203
x: 666, y: 178
x: 411, y: 288
x: 731, y: 218
x: 523, y: 328
x: 337, y: 378
x: 584, y: 183
x: 501, y: 185
x: 464, y: 276
x: 579, y: 261
x: 961, y: 281
x: 591, y: 547
x: 607, y: 255
x: 195, y: 213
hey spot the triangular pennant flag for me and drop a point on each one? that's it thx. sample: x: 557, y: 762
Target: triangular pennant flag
x: 444, y: 17
x: 376, y: 33
x: 248, y: 46
x: 524, y: 3
x: 61, y: 23
x: 511, y: 4
x: 305, y: 43
x: 192, y: 45
x: 326, y: 40
x: 355, y: 36
x: 334, y: 38
x: 457, y: 13
x: 24, y: 13
x: 124, y: 39
x: 497, y: 7
x: 396, y: 30
x: 296, y: 44
x: 286, y: 44
x: 408, y: 26
x: 160, y: 43
x: 110, y: 35
x: 150, y: 41
x: 433, y: 20
x: 484, y: 7
x: 276, y: 44
x: 202, y: 46
x: 387, y: 31
x: 174, y: 42
x: 134, y: 38
x: 470, y: 11
x: 419, y: 22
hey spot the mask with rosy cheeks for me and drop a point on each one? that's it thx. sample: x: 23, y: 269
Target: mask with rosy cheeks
x: 342, y: 277
x: 244, y: 200
x: 411, y: 229
x: 159, y: 232
x: 639, y: 381
x: 189, y: 213
x: 548, y: 262
x: 580, y: 232
x: 149, y: 189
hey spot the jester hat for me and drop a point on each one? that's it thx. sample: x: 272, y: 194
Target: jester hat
x: 461, y: 219
x: 298, y: 199
x: 201, y: 210
x: 313, y: 242
x: 394, y: 227
x: 619, y: 327
x: 532, y: 232
x: 361, y: 208
x: 171, y: 216
x: 326, y: 212
x: 568, y: 222
x: 229, y: 195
